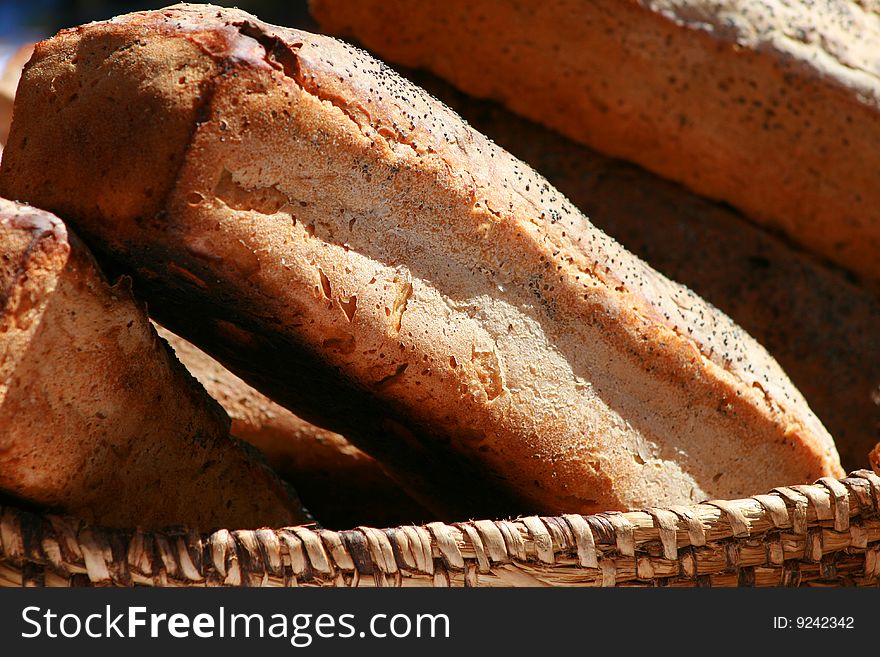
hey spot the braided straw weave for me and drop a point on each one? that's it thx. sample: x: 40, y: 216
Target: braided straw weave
x: 825, y: 534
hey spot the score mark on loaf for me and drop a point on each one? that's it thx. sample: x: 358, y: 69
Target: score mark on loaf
x: 349, y: 246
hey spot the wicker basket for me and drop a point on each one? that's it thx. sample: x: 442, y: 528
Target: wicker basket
x: 825, y: 534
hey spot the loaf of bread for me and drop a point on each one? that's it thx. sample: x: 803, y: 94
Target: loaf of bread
x: 340, y: 484
x: 351, y: 248
x: 96, y: 417
x: 830, y: 351
x: 771, y: 106
x: 337, y: 482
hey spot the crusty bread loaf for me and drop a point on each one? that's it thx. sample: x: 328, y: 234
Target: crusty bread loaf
x: 874, y: 458
x: 770, y: 105
x: 819, y: 325
x: 350, y: 247
x: 337, y: 482
x: 96, y: 416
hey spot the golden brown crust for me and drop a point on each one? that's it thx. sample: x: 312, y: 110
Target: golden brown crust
x: 337, y: 482
x: 830, y: 352
x: 332, y: 220
x: 341, y: 485
x: 769, y: 105
x: 96, y: 416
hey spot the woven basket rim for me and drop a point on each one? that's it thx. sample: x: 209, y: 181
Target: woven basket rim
x: 826, y: 533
